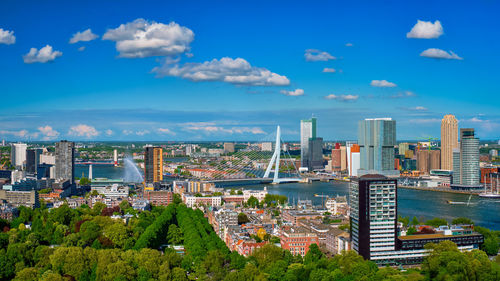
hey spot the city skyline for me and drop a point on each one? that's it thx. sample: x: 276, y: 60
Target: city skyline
x: 137, y: 73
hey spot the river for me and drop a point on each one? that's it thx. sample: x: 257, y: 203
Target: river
x: 420, y: 203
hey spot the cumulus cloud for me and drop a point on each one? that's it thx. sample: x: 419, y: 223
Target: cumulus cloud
x: 328, y: 70
x: 142, y: 38
x: 109, y: 132
x: 425, y: 30
x: 235, y: 71
x: 317, y: 55
x: 382, y: 84
x: 83, y: 36
x: 48, y: 133
x: 165, y: 131
x: 7, y: 37
x: 294, y: 93
x: 83, y: 130
x: 440, y: 54
x: 344, y: 98
x: 43, y: 55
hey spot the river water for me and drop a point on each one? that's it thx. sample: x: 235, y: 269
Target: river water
x: 422, y: 204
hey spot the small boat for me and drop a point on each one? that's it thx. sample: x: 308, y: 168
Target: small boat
x: 468, y: 203
x: 489, y: 195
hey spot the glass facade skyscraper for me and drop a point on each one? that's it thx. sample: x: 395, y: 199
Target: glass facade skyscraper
x: 65, y: 160
x: 307, y: 131
x: 376, y: 139
x: 469, y: 171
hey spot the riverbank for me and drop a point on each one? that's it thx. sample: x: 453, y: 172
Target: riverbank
x: 440, y: 189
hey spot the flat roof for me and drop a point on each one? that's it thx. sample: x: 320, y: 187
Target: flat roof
x: 433, y: 236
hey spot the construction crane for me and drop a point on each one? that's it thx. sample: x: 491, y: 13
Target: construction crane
x: 430, y: 140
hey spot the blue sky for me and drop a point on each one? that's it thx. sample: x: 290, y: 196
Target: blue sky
x: 205, y: 70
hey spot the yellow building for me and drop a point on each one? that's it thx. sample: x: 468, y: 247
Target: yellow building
x: 153, y: 164
x: 449, y: 140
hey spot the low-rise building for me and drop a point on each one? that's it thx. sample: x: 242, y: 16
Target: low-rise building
x: 112, y: 191
x: 194, y: 201
x: 297, y: 240
x: 159, y: 197
x: 20, y: 198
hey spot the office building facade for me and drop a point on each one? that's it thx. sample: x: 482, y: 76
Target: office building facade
x: 65, y: 160
x: 376, y: 139
x: 33, y: 159
x: 153, y: 164
x: 467, y: 172
x: 307, y: 131
x: 428, y: 160
x: 18, y: 154
x: 449, y: 140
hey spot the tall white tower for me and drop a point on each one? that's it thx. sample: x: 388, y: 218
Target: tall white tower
x: 90, y: 171
x: 275, y: 159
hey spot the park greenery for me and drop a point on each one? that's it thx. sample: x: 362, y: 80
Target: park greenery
x: 87, y: 244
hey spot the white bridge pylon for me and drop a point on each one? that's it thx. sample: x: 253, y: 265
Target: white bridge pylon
x: 275, y: 160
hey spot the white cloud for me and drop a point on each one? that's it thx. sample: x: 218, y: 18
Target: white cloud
x: 83, y: 130
x: 82, y: 48
x: 43, y: 55
x: 141, y: 38
x: 420, y: 108
x: 127, y: 132
x: 382, y: 83
x: 48, y: 133
x: 19, y: 134
x: 109, y: 132
x: 404, y: 94
x: 209, y: 129
x: 142, y: 133
x: 440, y: 54
x: 317, y: 55
x: 328, y: 70
x: 295, y: 93
x: 235, y: 71
x: 425, y: 30
x: 7, y: 37
x: 165, y: 131
x: 349, y: 45
x: 83, y: 36
x: 342, y: 97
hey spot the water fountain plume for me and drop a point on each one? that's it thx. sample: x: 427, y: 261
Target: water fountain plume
x: 132, y: 172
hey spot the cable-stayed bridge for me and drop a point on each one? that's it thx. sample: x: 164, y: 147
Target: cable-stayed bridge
x: 263, y: 162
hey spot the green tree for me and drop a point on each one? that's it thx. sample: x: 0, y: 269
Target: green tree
x: 117, y: 233
x: 253, y: 202
x: 85, y: 181
x: 462, y: 220
x: 242, y: 218
x: 436, y: 222
x: 174, y: 235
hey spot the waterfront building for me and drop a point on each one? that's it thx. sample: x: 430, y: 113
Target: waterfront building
x: 449, y: 140
x: 113, y: 191
x: 32, y: 160
x: 373, y: 200
x: 353, y: 158
x: 467, y: 172
x: 307, y: 131
x: 343, y: 158
x: 403, y: 147
x: 428, y: 160
x: 18, y: 154
x: 65, y: 160
x: 314, y: 158
x: 376, y: 139
x: 228, y: 147
x: 153, y: 164
x: 336, y: 164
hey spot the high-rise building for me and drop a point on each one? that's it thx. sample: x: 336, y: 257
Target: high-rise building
x: 336, y: 160
x: 228, y: 147
x: 377, y: 139
x: 403, y: 147
x: 449, y: 140
x: 343, y: 158
x: 315, y: 154
x: 353, y: 159
x: 33, y: 159
x: 65, y: 160
x: 428, y: 160
x: 307, y: 131
x: 373, y: 215
x: 18, y: 154
x: 467, y: 171
x: 153, y: 164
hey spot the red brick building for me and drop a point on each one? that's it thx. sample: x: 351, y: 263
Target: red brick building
x: 159, y: 198
x: 297, y: 240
